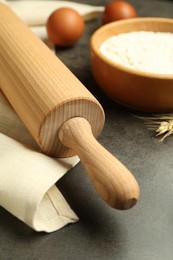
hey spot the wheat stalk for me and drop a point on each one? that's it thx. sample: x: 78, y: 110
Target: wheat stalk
x: 161, y: 124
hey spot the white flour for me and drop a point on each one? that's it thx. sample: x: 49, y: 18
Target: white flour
x: 145, y: 51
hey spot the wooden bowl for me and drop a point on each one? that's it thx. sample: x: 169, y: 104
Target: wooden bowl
x: 138, y: 90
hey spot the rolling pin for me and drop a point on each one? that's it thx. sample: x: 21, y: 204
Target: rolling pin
x: 63, y: 117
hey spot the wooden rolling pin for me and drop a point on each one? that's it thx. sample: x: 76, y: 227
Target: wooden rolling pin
x: 60, y: 113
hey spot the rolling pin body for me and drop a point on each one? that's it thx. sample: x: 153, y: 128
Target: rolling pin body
x: 42, y: 90
x: 61, y: 114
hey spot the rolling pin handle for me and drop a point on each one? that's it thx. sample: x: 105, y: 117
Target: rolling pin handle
x: 111, y: 179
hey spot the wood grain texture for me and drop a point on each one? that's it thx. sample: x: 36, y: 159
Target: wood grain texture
x: 60, y: 113
x: 111, y: 179
x: 40, y: 87
x: 133, y: 88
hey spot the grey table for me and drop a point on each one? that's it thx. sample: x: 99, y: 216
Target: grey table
x: 144, y: 232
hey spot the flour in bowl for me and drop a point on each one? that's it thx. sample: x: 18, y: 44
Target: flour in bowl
x: 143, y: 50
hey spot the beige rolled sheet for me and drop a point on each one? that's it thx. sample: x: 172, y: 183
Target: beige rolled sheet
x: 27, y: 177
x: 35, y: 13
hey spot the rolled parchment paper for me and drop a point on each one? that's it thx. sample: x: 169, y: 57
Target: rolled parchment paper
x: 27, y: 177
x: 36, y: 13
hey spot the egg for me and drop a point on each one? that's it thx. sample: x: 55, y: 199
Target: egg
x: 118, y: 10
x: 65, y: 26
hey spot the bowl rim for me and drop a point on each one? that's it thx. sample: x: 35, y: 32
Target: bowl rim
x: 116, y: 65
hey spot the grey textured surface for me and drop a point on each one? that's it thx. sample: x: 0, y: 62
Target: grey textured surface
x: 144, y: 232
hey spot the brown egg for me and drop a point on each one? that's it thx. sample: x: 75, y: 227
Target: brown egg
x: 118, y: 10
x: 65, y: 26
